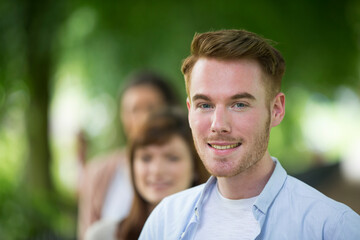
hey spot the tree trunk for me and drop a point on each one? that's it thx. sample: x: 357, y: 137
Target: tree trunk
x: 39, y: 32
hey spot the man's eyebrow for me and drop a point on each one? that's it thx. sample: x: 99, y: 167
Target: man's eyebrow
x: 234, y: 97
x: 243, y: 95
x: 201, y: 97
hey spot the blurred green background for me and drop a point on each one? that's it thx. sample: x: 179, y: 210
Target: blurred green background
x: 62, y: 62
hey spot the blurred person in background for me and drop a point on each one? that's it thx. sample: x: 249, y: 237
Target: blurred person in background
x: 163, y: 161
x: 105, y: 191
x: 339, y: 181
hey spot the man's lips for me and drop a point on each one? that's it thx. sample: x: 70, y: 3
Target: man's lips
x: 224, y: 146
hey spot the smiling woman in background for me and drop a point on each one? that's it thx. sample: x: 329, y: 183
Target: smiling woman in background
x: 105, y: 191
x: 163, y: 161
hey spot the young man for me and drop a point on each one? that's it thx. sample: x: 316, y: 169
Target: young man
x: 233, y: 80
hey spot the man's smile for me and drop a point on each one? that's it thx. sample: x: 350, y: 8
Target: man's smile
x: 224, y: 147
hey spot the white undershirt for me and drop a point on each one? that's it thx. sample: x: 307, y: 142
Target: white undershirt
x: 119, y: 196
x: 223, y: 218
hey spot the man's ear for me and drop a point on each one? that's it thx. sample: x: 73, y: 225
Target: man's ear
x: 278, y: 109
x: 188, y: 104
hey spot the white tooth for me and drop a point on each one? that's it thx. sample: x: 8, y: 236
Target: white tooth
x: 224, y: 146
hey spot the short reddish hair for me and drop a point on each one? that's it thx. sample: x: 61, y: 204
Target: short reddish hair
x: 234, y: 45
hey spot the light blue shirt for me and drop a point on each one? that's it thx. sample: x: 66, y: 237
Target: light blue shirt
x: 286, y: 209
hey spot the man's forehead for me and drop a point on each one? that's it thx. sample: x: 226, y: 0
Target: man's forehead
x: 230, y: 77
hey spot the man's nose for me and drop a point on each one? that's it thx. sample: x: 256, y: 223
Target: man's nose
x: 220, y: 121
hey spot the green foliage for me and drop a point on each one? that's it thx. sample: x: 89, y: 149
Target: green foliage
x: 32, y: 216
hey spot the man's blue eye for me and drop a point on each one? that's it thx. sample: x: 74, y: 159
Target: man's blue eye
x: 205, y: 105
x: 240, y: 105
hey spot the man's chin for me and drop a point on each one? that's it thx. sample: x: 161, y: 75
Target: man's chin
x: 221, y: 171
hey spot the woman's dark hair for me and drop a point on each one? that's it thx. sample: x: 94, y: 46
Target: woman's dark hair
x: 154, y: 80
x: 158, y: 130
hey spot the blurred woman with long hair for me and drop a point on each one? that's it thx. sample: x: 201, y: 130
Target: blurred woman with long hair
x: 163, y: 161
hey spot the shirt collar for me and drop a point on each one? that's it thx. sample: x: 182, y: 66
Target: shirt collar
x: 264, y: 200
x: 272, y: 187
x: 204, y: 195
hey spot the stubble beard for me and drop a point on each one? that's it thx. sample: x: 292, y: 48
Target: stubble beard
x: 250, y: 158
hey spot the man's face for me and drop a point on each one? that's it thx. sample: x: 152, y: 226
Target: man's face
x: 229, y: 115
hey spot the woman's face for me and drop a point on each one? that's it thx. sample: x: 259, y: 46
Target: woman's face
x: 137, y: 103
x: 161, y: 170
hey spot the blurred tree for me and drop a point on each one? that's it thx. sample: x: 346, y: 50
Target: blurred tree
x: 40, y: 24
x: 28, y: 31
x: 26, y: 64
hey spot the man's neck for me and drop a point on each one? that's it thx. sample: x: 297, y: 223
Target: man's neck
x: 248, y: 183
